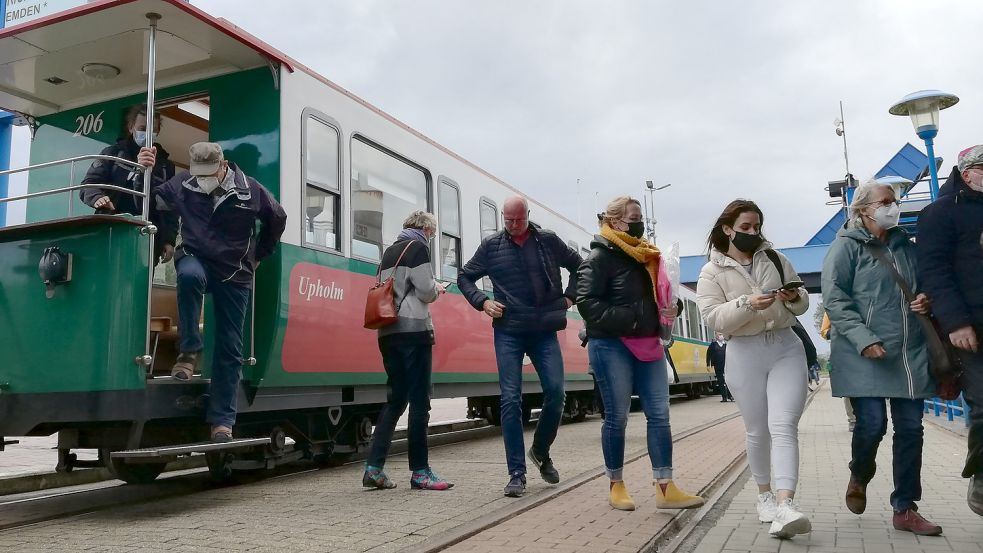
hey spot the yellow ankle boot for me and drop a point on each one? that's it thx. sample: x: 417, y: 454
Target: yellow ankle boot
x: 619, y: 498
x: 674, y: 498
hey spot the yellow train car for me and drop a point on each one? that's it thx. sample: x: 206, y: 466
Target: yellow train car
x: 688, y: 352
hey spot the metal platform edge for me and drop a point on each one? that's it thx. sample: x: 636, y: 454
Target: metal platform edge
x: 186, y: 449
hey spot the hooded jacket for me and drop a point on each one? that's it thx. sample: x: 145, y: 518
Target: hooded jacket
x: 223, y: 234
x: 865, y: 307
x: 108, y: 172
x: 615, y: 295
x: 502, y: 260
x: 724, y: 286
x: 950, y: 255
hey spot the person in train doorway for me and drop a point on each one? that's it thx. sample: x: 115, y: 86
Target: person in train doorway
x: 218, y: 206
x: 741, y: 293
x: 950, y: 262
x: 523, y: 262
x: 625, y: 298
x: 716, y: 356
x: 132, y: 147
x: 407, y: 355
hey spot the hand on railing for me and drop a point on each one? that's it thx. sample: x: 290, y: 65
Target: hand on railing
x: 104, y: 203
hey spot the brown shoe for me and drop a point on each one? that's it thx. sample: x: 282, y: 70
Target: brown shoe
x: 185, y: 366
x: 911, y: 521
x: 856, y: 496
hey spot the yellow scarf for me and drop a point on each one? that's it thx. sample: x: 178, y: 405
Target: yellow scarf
x: 638, y: 248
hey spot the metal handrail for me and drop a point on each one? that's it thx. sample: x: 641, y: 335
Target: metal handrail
x: 70, y: 188
x: 132, y: 164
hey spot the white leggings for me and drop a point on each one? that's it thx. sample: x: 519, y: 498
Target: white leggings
x: 765, y: 373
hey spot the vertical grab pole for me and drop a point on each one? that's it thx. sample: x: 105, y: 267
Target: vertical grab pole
x: 147, y: 359
x: 251, y: 360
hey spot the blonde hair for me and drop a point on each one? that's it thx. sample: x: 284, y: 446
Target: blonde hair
x: 616, y: 210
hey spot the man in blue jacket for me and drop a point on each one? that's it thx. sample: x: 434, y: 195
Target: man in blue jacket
x: 950, y: 262
x: 218, y: 206
x: 530, y: 306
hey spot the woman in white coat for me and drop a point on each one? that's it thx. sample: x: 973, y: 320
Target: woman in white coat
x: 741, y: 295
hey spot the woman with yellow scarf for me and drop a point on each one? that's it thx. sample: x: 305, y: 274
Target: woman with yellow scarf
x: 619, y: 291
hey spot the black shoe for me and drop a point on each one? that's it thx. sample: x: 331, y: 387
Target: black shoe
x: 516, y: 486
x: 724, y: 400
x: 546, y: 468
x: 974, y: 496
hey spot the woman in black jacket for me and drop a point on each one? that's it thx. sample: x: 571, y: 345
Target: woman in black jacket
x: 616, y: 295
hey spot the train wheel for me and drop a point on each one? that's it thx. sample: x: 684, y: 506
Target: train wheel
x: 134, y: 473
x: 219, y: 466
x: 693, y: 391
x: 493, y: 415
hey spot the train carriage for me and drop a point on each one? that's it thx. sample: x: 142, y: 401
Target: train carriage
x: 87, y: 354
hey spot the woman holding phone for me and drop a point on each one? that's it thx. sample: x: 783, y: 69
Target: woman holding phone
x: 752, y: 293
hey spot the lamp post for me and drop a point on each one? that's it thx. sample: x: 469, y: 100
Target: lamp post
x: 923, y: 107
x: 651, y: 189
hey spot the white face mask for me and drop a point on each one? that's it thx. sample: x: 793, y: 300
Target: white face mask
x: 208, y: 184
x: 887, y: 217
x: 978, y: 185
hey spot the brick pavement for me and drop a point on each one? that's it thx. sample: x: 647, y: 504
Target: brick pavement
x: 825, y: 452
x: 582, y: 520
x: 328, y: 510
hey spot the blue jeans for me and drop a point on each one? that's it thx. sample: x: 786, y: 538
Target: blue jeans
x: 408, y: 367
x: 193, y: 282
x: 544, y: 350
x: 618, y: 373
x: 906, y: 414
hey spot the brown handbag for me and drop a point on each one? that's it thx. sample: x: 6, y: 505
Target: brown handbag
x: 943, y: 360
x: 380, y: 303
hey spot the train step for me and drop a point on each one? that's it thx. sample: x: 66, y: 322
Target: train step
x: 187, y: 449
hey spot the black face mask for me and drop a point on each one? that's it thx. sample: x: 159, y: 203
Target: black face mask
x: 745, y: 242
x: 636, y: 230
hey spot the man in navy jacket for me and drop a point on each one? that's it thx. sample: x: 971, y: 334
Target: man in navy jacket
x: 950, y: 262
x: 218, y: 206
x: 530, y: 306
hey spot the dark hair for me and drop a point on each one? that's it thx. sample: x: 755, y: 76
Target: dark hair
x: 720, y: 241
x: 134, y: 112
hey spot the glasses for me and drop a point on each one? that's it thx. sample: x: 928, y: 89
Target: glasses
x: 886, y: 203
x: 514, y: 221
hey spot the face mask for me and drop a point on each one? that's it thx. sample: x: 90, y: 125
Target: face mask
x: 140, y: 137
x: 636, y: 230
x: 747, y: 243
x: 208, y: 184
x: 887, y: 217
x: 978, y: 185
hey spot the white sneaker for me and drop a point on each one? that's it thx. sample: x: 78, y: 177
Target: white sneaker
x: 767, y: 506
x: 789, y: 521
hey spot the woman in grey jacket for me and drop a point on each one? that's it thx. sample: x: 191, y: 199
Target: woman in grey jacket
x: 407, y: 354
x: 877, y: 349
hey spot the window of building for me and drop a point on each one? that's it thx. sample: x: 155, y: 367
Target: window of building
x: 322, y: 189
x: 450, y: 229
x: 488, y: 222
x: 386, y: 188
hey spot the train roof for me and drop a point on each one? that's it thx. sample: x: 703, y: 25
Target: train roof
x: 41, y: 61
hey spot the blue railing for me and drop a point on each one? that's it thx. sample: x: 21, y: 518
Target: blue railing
x: 952, y: 408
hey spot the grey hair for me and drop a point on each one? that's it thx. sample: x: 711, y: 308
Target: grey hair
x: 862, y: 198
x: 421, y: 220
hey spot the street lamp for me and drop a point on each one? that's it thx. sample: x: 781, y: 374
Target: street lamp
x: 652, y: 188
x: 923, y: 107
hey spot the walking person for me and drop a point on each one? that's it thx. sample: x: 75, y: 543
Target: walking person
x: 219, y: 207
x: 950, y: 262
x: 407, y: 354
x: 716, y: 357
x: 523, y: 262
x: 740, y: 293
x: 619, y: 292
x: 877, y: 349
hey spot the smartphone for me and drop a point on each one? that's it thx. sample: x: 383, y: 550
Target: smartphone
x: 792, y: 285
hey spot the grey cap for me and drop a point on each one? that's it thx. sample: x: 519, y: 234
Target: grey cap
x: 970, y: 157
x: 206, y: 158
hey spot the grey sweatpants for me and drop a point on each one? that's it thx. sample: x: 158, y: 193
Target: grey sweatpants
x: 764, y: 373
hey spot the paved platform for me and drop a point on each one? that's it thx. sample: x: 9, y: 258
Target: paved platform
x: 825, y: 443
x: 328, y: 510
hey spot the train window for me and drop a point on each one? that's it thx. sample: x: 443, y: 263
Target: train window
x: 449, y: 204
x: 573, y: 245
x: 386, y: 188
x: 692, y: 320
x: 584, y: 252
x: 488, y: 221
x: 322, y: 192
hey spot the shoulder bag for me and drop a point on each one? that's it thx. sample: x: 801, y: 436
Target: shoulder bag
x: 943, y: 360
x: 380, y: 303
